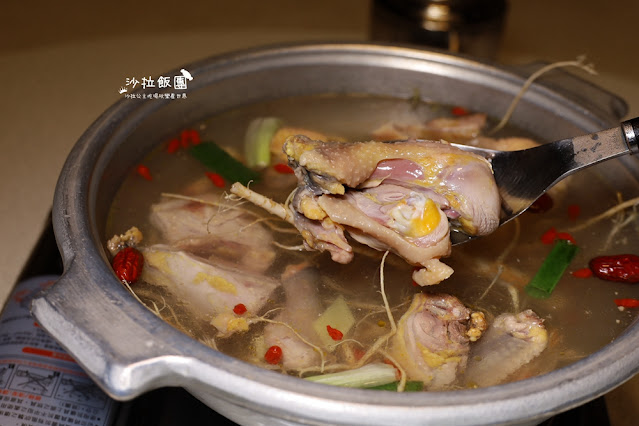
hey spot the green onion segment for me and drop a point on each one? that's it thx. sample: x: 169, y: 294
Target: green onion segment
x: 368, y: 376
x: 552, y: 269
x: 257, y: 141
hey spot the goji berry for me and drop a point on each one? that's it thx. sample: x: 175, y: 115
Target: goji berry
x: 334, y: 333
x: 620, y: 268
x: 283, y: 168
x: 173, y: 146
x: 388, y: 361
x: 627, y: 303
x: 574, y: 211
x: 549, y: 236
x: 541, y: 204
x: 459, y: 111
x: 144, y: 172
x: 566, y: 236
x: 358, y: 353
x: 128, y: 264
x: 582, y: 273
x: 239, y: 309
x: 189, y: 136
x: 216, y: 179
x: 273, y: 355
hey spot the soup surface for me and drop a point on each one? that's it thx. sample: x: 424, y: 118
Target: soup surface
x: 235, y: 277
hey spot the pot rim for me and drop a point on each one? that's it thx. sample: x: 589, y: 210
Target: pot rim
x: 84, y: 258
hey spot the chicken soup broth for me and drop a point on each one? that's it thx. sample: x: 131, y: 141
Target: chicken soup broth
x: 247, y: 278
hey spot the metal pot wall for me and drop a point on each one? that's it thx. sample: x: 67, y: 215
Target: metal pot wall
x: 128, y: 351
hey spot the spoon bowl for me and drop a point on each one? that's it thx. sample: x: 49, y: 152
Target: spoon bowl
x: 523, y: 176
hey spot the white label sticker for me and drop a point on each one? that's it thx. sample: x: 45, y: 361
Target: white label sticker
x: 40, y: 384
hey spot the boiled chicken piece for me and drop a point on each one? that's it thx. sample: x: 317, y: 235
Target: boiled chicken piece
x: 462, y: 183
x: 283, y: 133
x: 301, y: 309
x: 432, y: 340
x: 318, y: 230
x: 211, y: 290
x: 512, y: 341
x: 394, y: 196
x: 210, y: 228
x: 452, y: 129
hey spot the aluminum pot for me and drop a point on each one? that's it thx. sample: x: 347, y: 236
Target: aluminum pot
x: 127, y: 350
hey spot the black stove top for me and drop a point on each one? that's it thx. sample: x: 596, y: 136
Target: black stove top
x: 175, y: 406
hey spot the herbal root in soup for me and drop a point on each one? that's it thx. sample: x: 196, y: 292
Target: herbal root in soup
x: 303, y: 282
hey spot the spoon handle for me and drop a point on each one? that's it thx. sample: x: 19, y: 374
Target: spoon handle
x: 604, y: 145
x: 522, y: 176
x: 631, y: 133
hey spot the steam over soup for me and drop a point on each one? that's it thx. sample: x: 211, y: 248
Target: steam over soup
x: 273, y: 234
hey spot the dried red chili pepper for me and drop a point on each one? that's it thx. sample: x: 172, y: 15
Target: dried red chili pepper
x: 239, y: 309
x: 541, y: 204
x: 459, y: 111
x: 283, y: 168
x: 144, y: 172
x: 173, y: 146
x: 216, y: 179
x: 620, y: 268
x: 627, y: 303
x: 128, y: 264
x: 549, y: 236
x: 582, y: 273
x: 574, y: 211
x: 334, y: 333
x: 189, y: 137
x: 273, y: 355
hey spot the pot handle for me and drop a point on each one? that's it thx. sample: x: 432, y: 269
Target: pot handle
x: 578, y: 89
x: 121, y: 355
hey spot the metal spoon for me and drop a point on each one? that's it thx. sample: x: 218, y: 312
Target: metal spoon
x: 523, y: 176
